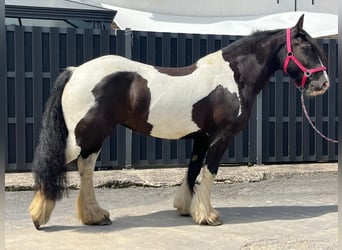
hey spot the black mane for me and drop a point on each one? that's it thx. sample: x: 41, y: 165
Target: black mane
x: 260, y: 35
x: 252, y: 39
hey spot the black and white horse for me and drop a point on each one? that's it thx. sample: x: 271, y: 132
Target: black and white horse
x: 209, y: 101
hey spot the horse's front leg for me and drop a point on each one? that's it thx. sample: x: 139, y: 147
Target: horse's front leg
x: 201, y: 209
x: 89, y: 211
x: 185, y: 192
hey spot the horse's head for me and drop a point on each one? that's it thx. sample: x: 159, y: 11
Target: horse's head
x: 304, y: 61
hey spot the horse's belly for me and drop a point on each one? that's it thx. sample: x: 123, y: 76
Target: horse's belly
x: 170, y: 111
x: 170, y: 123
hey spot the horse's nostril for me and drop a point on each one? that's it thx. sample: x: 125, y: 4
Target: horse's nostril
x: 325, y: 85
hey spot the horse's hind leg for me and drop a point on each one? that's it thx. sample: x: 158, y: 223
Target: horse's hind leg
x: 90, y: 132
x: 185, y: 192
x: 89, y: 211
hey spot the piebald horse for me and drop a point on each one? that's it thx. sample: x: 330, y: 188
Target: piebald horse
x: 209, y: 101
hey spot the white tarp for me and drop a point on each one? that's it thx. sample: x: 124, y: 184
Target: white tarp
x: 316, y: 24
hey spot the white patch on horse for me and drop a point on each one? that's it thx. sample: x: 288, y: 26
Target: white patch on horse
x: 201, y: 209
x: 324, y: 71
x: 173, y: 97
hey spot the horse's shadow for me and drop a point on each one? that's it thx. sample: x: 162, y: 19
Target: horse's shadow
x: 233, y: 215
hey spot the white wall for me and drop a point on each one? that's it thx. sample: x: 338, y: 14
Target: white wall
x: 224, y: 7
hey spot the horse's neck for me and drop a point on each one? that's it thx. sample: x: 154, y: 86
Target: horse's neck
x: 254, y: 61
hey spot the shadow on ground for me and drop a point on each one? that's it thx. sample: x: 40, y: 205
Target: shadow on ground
x: 233, y: 215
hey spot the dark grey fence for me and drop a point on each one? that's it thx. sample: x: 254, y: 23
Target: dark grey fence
x: 277, y: 131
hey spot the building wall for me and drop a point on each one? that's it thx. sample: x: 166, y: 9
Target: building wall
x: 226, y: 7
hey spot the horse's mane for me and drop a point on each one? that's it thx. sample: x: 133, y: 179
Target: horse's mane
x: 259, y: 35
x: 251, y: 39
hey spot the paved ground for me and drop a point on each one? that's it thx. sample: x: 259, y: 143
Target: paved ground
x: 273, y: 207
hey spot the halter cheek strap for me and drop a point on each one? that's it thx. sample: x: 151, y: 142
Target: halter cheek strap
x: 291, y: 56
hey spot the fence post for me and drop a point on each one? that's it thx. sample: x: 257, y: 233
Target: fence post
x: 3, y: 91
x: 259, y: 129
x: 128, y: 133
x: 3, y: 117
x: 339, y: 54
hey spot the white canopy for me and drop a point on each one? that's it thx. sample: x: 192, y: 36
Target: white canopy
x: 316, y: 24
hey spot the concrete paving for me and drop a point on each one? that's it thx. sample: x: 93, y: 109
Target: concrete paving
x: 267, y: 207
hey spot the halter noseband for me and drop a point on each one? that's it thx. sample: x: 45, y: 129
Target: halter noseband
x: 291, y: 56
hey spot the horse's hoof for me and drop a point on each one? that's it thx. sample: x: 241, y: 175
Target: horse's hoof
x: 105, y: 221
x: 211, y: 222
x: 215, y: 223
x: 36, y: 224
x: 183, y: 213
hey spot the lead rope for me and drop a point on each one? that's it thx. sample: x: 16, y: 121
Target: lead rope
x: 312, y: 125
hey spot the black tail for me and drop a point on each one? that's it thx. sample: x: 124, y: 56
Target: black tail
x: 49, y: 161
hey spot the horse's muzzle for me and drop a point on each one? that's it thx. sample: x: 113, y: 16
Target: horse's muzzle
x: 314, y: 90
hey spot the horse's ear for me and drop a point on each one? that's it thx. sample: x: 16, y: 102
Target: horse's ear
x: 299, y: 25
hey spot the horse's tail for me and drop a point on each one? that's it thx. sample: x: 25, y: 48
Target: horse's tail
x: 49, y: 166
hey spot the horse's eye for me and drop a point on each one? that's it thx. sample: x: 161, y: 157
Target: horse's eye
x: 306, y: 47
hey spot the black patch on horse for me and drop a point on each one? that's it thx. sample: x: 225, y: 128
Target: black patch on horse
x: 216, y: 111
x: 121, y: 97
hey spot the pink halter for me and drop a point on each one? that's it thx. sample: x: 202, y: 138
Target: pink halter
x: 291, y: 56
